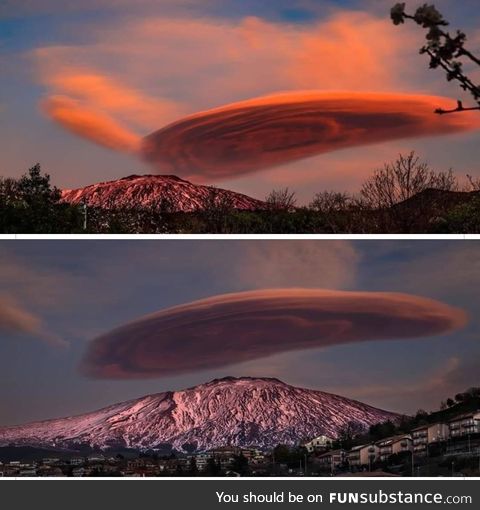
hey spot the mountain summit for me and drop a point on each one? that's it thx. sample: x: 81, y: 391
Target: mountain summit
x: 229, y: 411
x: 156, y: 191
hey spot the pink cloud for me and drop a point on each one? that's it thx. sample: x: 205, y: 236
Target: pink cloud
x: 14, y: 319
x: 234, y: 328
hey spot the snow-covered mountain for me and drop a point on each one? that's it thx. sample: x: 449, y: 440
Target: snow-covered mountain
x: 230, y: 411
x: 157, y: 191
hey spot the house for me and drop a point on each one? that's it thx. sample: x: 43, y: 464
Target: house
x: 427, y: 434
x: 225, y: 451
x: 250, y: 453
x: 318, y: 443
x: 465, y: 424
x: 363, y: 455
x: 201, y: 460
x: 395, y: 444
x: 225, y: 455
x: 331, y: 460
x: 77, y: 461
x: 55, y: 471
x: 28, y: 472
x: 49, y: 461
x: 96, y: 458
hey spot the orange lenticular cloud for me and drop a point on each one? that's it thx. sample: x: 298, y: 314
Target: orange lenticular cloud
x: 233, y: 328
x: 90, y: 124
x: 260, y: 133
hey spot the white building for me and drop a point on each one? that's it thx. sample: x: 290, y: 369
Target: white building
x: 318, y: 443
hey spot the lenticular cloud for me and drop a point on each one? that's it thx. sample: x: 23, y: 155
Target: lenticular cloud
x: 232, y: 328
x: 260, y: 133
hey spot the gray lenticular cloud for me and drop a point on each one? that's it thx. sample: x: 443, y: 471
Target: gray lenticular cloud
x: 233, y: 328
x: 261, y: 133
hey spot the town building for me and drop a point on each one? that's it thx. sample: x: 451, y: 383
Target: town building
x: 96, y: 457
x: 428, y: 434
x: 394, y: 445
x: 319, y: 443
x: 465, y: 424
x: 201, y: 460
x: 363, y: 455
x: 330, y: 461
x: 49, y: 461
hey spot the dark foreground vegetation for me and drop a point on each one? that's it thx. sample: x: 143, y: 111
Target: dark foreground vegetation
x: 405, y: 196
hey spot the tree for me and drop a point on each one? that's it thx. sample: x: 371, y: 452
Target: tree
x: 281, y: 200
x: 329, y: 202
x: 216, y: 207
x: 240, y: 464
x: 281, y: 453
x: 192, y: 469
x: 445, y: 51
x: 348, y: 432
x: 382, y: 430
x: 32, y: 205
x: 402, y: 179
x: 473, y: 183
x: 213, y: 467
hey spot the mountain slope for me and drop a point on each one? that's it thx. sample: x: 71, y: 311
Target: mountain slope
x: 156, y: 191
x: 243, y: 411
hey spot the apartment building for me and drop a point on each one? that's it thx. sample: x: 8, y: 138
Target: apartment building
x: 363, y: 455
x: 465, y: 424
x: 332, y: 460
x: 427, y: 434
x: 395, y: 444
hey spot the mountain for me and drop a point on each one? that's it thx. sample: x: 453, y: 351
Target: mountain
x: 156, y: 191
x: 438, y: 201
x: 230, y: 411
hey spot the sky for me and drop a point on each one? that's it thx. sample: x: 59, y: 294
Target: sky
x: 84, y: 324
x: 90, y: 89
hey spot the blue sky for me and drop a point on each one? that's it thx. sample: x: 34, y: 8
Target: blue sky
x: 78, y: 290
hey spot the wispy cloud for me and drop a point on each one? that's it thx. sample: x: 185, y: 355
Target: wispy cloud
x: 14, y: 319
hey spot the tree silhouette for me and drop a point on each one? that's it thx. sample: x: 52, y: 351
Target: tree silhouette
x: 445, y: 51
x: 403, y: 179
